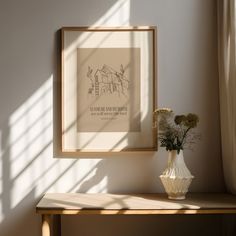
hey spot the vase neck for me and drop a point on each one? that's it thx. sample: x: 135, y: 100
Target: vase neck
x: 174, y: 156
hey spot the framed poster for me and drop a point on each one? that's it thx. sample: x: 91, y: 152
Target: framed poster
x: 108, y: 81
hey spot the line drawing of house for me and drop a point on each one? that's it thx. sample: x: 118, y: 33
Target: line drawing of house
x: 107, y: 81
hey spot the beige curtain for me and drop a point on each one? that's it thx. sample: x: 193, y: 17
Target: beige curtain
x: 227, y: 87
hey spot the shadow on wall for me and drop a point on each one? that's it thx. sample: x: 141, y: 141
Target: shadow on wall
x: 29, y: 48
x: 114, y: 176
x: 25, y: 144
x: 26, y: 123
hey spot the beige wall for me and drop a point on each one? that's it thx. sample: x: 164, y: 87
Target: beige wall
x: 188, y: 82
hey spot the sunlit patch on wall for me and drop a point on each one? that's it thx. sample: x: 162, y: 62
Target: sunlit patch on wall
x: 118, y: 14
x: 30, y: 136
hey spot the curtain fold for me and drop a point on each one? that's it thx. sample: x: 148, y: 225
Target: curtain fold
x: 227, y: 88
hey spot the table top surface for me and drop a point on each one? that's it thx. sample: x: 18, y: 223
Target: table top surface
x: 85, y: 203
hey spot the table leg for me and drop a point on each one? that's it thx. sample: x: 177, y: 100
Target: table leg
x: 56, y: 225
x: 46, y: 225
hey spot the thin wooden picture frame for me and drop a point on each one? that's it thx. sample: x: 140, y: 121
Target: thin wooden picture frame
x: 108, y: 89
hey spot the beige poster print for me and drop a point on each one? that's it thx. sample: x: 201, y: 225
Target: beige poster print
x: 108, y: 90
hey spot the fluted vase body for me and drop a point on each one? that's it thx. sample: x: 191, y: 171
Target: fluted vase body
x: 176, y: 178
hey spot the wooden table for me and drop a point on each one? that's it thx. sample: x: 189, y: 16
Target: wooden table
x: 57, y: 204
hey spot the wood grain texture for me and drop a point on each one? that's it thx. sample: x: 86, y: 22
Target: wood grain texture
x: 134, y: 204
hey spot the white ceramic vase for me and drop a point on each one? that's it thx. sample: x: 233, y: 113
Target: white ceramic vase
x: 176, y: 178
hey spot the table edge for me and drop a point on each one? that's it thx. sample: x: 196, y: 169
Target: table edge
x: 55, y: 211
